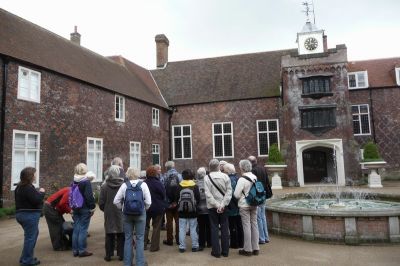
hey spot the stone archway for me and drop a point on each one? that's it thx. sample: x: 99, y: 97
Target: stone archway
x: 323, y: 146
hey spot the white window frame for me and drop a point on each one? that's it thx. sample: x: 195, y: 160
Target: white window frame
x: 16, y: 179
x: 132, y: 152
x: 99, y: 176
x: 223, y: 144
x: 356, y: 75
x: 268, y: 131
x: 152, y: 152
x: 397, y: 70
x: 181, y: 137
x: 359, y: 117
x: 155, y: 117
x: 121, y: 110
x: 30, y: 72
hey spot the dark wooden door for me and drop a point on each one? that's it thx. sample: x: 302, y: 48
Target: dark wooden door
x: 314, y: 166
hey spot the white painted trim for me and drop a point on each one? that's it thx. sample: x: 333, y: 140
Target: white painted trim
x: 223, y: 145
x: 20, y: 69
x: 268, y: 131
x: 99, y: 176
x: 356, y: 75
x: 335, y: 144
x: 359, y: 117
x: 397, y: 70
x: 131, y: 153
x: 37, y: 167
x: 155, y: 122
x: 181, y: 137
x: 123, y: 108
x: 159, y: 152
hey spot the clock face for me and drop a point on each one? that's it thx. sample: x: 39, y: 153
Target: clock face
x: 311, y: 43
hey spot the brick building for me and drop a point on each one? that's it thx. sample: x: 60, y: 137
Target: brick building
x: 62, y: 104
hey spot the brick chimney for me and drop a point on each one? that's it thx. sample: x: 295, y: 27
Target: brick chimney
x: 325, y: 39
x: 162, y: 44
x: 76, y: 37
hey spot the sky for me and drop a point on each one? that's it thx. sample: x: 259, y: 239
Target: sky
x: 209, y: 28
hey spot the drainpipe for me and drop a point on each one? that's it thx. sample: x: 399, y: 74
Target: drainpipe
x: 372, y: 114
x: 3, y: 116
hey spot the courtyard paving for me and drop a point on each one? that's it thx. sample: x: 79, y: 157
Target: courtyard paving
x: 280, y: 251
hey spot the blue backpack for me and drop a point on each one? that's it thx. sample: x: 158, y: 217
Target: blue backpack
x: 133, y: 202
x: 257, y: 194
x: 75, y: 196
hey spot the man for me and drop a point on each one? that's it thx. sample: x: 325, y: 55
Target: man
x: 218, y: 191
x: 262, y: 175
x: 117, y: 161
x: 172, y: 180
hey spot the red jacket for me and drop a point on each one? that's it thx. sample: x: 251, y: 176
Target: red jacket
x: 60, y: 200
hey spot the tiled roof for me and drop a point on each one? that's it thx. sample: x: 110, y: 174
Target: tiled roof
x: 28, y: 42
x: 381, y: 72
x: 236, y: 77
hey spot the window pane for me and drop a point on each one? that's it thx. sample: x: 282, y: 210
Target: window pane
x: 352, y: 80
x: 262, y: 126
x: 356, y: 127
x: 98, y: 145
x: 91, y: 145
x: 263, y: 140
x: 156, y: 159
x: 273, y: 125
x: 187, y: 148
x: 19, y: 140
x: 32, y: 141
x: 365, y: 124
x: 361, y: 80
x: 354, y: 109
x: 178, y: 148
x: 228, y: 145
x: 90, y: 161
x: 218, y: 146
x: 177, y: 131
x: 34, y: 86
x: 186, y: 130
x: 217, y: 128
x: 273, y: 138
x: 363, y: 108
x: 227, y: 128
x: 31, y: 159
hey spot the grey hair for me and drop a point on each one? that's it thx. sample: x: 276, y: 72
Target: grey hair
x: 213, y: 165
x: 201, y: 172
x: 132, y: 173
x: 117, y: 161
x: 114, y: 172
x: 169, y: 165
x: 143, y: 173
x: 229, y: 168
x: 245, y: 166
x: 252, y: 159
x: 157, y: 166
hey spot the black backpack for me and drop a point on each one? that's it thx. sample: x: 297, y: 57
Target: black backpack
x: 171, y: 186
x: 187, y: 202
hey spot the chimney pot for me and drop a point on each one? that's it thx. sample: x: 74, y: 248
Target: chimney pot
x: 162, y: 44
x: 75, y: 36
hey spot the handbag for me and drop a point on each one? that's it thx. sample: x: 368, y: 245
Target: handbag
x: 232, y: 203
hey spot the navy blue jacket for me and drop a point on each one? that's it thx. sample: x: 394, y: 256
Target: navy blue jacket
x: 157, y: 192
x: 85, y: 187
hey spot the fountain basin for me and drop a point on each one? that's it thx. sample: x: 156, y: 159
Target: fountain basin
x: 358, y: 222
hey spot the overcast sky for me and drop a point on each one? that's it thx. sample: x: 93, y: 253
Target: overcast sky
x: 209, y: 28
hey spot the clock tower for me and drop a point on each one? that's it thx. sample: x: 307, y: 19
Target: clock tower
x: 310, y: 40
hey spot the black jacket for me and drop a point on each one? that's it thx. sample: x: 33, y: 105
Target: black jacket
x: 27, y: 198
x: 261, y: 175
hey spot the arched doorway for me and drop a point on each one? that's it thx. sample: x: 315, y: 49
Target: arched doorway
x: 318, y: 165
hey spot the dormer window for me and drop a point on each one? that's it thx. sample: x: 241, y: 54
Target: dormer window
x: 358, y: 80
x: 316, y: 87
x: 397, y: 70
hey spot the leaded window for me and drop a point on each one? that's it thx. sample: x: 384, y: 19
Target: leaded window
x: 223, y: 140
x: 182, y: 142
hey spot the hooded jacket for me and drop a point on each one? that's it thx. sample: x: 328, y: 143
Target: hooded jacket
x: 192, y: 185
x: 85, y: 187
x: 112, y: 215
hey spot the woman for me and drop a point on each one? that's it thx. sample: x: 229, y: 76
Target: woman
x: 29, y: 203
x: 131, y: 222
x: 113, y: 225
x: 248, y: 213
x: 157, y: 208
x: 235, y: 223
x: 202, y: 212
x: 81, y: 215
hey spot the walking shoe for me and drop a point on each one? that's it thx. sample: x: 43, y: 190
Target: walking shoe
x: 85, y: 254
x: 181, y: 250
x: 197, y: 249
x: 261, y: 242
x: 256, y: 252
x: 107, y: 258
x: 120, y: 258
x: 75, y: 253
x: 215, y: 255
x: 165, y: 242
x: 245, y: 253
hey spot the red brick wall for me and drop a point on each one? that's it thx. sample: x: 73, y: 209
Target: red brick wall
x: 329, y: 228
x: 376, y: 228
x: 69, y: 112
x: 243, y: 115
x: 386, y: 115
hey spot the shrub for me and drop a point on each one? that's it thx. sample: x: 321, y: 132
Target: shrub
x: 7, y: 212
x: 371, y: 152
x: 274, y: 155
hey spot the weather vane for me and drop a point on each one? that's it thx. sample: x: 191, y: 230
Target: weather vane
x: 307, y: 10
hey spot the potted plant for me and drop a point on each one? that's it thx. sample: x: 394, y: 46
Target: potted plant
x: 372, y: 161
x: 275, y: 164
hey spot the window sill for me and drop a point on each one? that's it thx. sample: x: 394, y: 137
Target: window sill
x: 317, y: 95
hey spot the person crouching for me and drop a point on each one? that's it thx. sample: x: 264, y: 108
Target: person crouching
x: 188, y: 196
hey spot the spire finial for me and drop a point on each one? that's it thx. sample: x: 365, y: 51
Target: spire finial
x: 308, y: 11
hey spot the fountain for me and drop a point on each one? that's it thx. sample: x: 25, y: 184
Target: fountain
x: 337, y: 214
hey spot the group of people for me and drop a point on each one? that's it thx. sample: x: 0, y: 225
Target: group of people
x: 211, y: 207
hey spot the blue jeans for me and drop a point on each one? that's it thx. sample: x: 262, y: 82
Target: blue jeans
x: 81, y: 219
x: 192, y: 222
x: 262, y: 224
x: 137, y: 223
x: 29, y: 220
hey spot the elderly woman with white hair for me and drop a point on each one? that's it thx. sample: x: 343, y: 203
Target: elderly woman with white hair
x: 248, y: 213
x: 133, y: 222
x: 202, y: 212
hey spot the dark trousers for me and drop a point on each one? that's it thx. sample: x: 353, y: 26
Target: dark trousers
x: 172, y: 214
x: 204, y: 230
x: 219, y: 220
x: 110, y: 244
x: 55, y: 222
x: 236, y: 231
x: 155, y: 235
